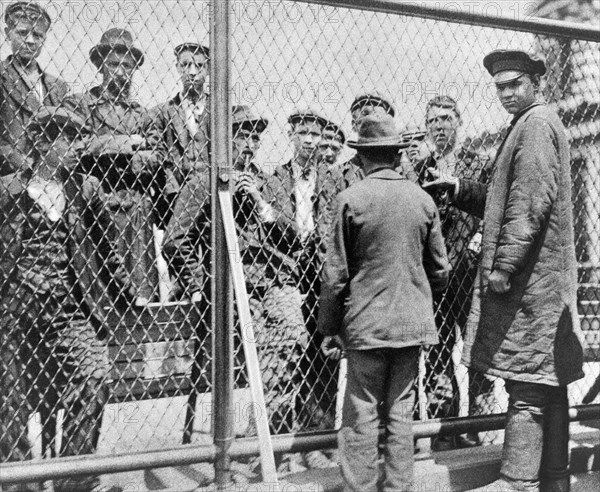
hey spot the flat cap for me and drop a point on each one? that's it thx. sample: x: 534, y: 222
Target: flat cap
x: 193, y: 47
x: 28, y: 10
x: 373, y: 98
x: 307, y: 114
x: 507, y: 65
x: 243, y: 115
x: 336, y: 130
x: 54, y: 119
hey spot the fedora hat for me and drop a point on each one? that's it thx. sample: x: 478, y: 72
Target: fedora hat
x: 30, y: 11
x: 376, y: 131
x: 193, y: 47
x: 115, y: 39
x: 507, y: 65
x: 243, y: 115
x: 373, y: 98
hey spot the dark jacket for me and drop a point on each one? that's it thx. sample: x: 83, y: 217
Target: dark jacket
x: 531, y: 333
x: 185, y: 152
x: 97, y: 271
x: 17, y: 105
x: 386, y: 256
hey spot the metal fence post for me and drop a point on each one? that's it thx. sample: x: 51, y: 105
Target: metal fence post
x: 221, y: 297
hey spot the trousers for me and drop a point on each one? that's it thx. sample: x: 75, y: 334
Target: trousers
x: 379, y: 388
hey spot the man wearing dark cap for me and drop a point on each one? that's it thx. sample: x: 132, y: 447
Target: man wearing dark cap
x: 183, y: 122
x: 387, y: 255
x: 269, y: 267
x: 56, y: 280
x: 24, y: 85
x: 124, y: 154
x: 523, y: 325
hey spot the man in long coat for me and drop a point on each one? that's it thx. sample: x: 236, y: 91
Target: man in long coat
x: 24, y: 86
x: 523, y: 325
x: 124, y: 154
x: 386, y: 256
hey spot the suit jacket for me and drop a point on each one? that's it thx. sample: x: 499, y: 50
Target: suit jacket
x: 531, y: 333
x: 185, y: 152
x: 386, y: 255
x: 98, y: 275
x: 17, y: 105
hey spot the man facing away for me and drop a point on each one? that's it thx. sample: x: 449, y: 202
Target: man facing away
x: 24, y: 85
x: 523, y: 325
x: 386, y: 256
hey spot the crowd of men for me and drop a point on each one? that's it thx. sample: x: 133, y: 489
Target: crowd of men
x: 338, y: 256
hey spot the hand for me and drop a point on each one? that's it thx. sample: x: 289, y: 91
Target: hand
x: 144, y: 161
x: 332, y: 347
x: 136, y: 141
x: 141, y: 301
x: 247, y: 184
x: 196, y: 296
x: 499, y: 281
x: 440, y: 184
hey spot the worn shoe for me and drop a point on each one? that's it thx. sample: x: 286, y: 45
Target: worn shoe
x: 291, y: 463
x: 315, y: 460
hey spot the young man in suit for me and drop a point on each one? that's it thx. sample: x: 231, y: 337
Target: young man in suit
x: 385, y: 257
x: 25, y: 87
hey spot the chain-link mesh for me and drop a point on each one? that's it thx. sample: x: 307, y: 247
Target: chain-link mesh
x: 106, y: 206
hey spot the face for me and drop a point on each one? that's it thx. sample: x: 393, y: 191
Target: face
x: 517, y: 94
x: 330, y: 148
x: 193, y: 70
x: 366, y: 110
x: 246, y: 142
x: 305, y: 137
x: 442, y: 126
x: 117, y: 71
x: 26, y: 39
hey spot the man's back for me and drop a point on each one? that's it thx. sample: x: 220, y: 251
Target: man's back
x: 387, y: 248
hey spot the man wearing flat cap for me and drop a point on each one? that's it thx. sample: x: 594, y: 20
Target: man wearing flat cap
x: 124, y: 154
x: 269, y: 268
x: 183, y: 122
x: 523, y: 325
x: 385, y: 257
x: 24, y: 85
x: 56, y: 280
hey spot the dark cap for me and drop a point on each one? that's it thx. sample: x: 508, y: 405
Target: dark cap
x: 377, y: 130
x: 307, y: 115
x: 336, y: 130
x: 30, y: 11
x: 115, y: 39
x: 243, y: 115
x: 507, y: 65
x: 373, y: 98
x: 193, y: 47
x: 52, y: 120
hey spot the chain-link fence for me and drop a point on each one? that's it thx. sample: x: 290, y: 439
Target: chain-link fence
x: 106, y: 243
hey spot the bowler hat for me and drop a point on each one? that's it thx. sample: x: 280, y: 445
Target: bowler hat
x: 507, y: 65
x: 307, y: 115
x: 336, y: 130
x: 54, y: 119
x: 373, y: 98
x: 28, y: 10
x: 376, y: 131
x: 115, y: 39
x: 193, y: 47
x: 243, y: 115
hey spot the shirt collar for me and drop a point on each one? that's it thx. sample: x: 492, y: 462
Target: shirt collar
x: 517, y: 116
x: 384, y: 173
x: 102, y: 97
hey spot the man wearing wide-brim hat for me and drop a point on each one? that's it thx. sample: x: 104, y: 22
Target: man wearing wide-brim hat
x: 387, y: 256
x: 124, y: 153
x: 54, y: 297
x: 24, y: 85
x: 183, y: 122
x: 523, y: 325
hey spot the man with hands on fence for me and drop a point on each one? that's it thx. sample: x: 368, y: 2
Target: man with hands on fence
x: 523, y: 325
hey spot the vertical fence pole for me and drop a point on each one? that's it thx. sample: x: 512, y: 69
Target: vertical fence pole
x: 221, y: 293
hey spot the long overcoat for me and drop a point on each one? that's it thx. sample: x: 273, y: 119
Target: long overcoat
x: 531, y: 333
